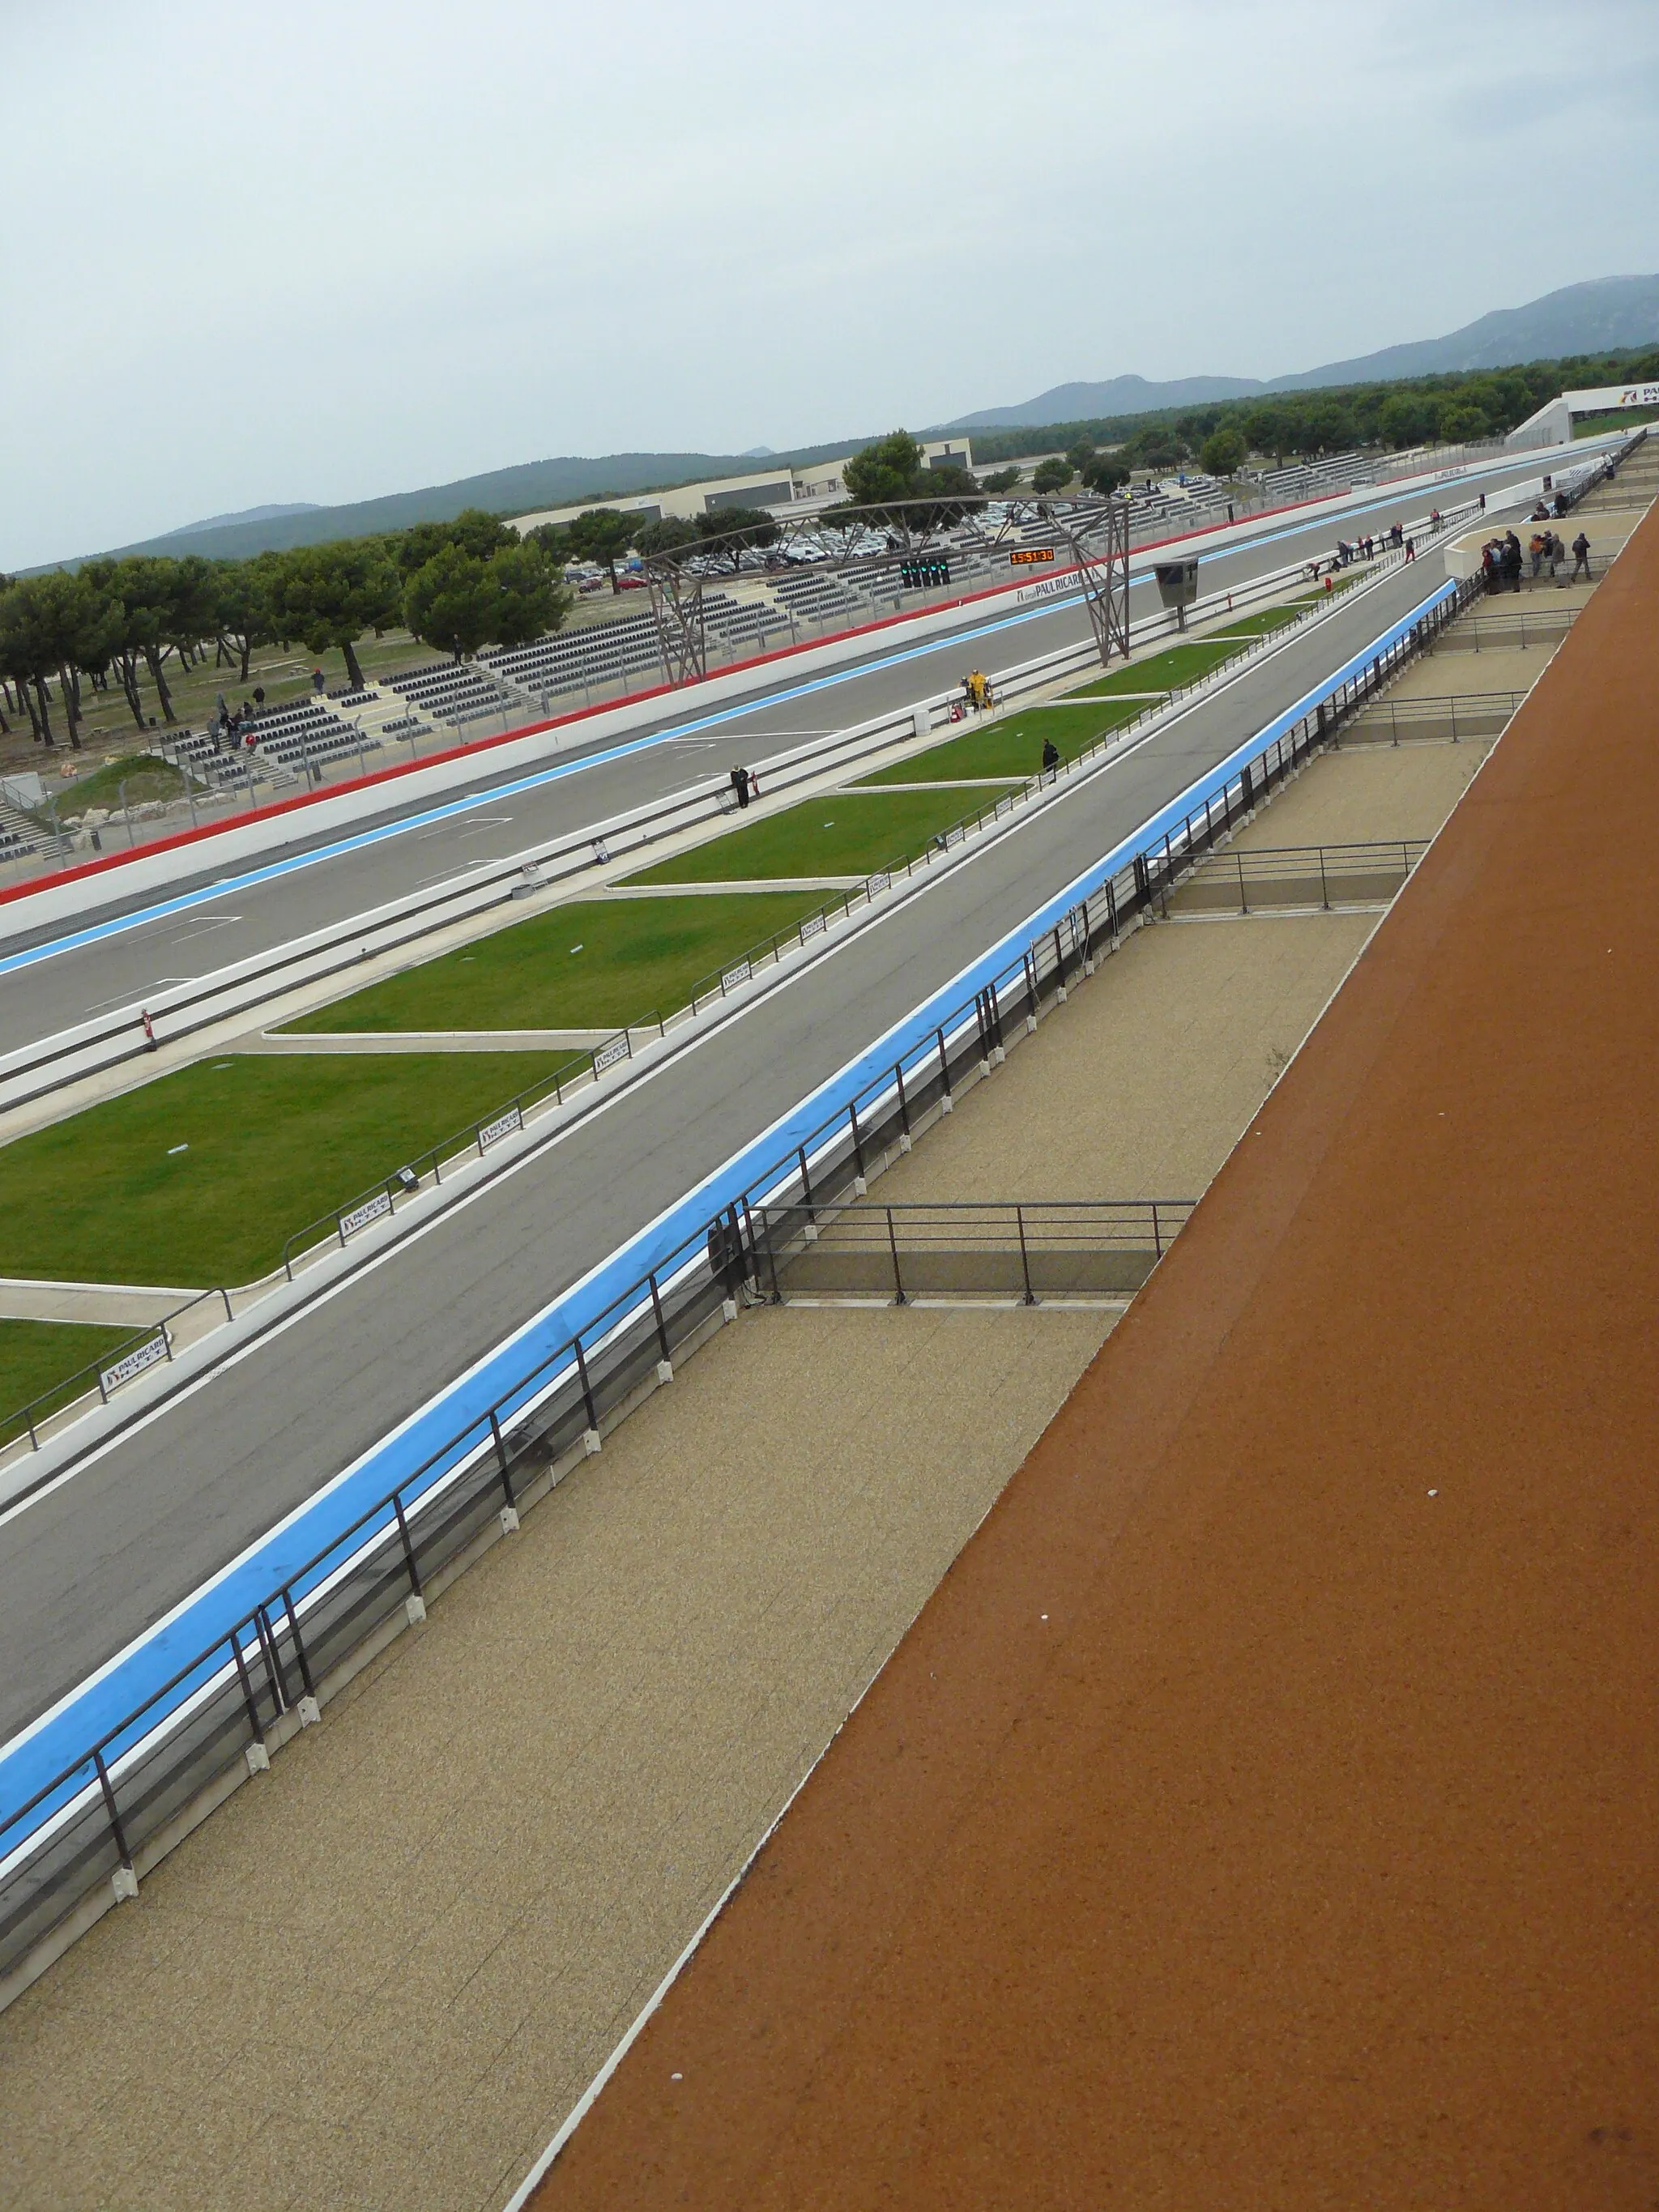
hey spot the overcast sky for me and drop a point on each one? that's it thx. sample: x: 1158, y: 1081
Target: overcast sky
x: 338, y: 248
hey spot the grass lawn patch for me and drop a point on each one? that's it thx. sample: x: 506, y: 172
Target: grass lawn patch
x: 108, y: 1197
x: 1165, y: 671
x: 145, y: 776
x: 846, y: 833
x: 598, y: 963
x: 1013, y: 747
x: 35, y: 1356
x: 1263, y: 623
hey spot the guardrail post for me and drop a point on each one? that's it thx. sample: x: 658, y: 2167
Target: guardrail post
x: 945, y: 1101
x: 903, y: 1104
x: 1238, y: 863
x: 273, y: 1658
x: 806, y: 1185
x: 298, y: 1645
x: 899, y: 1297
x: 415, y: 1591
x: 662, y: 1326
x: 858, y: 1146
x: 1024, y: 1257
x: 501, y: 1457
x: 588, y: 1388
x: 1324, y: 889
x: 1157, y: 1238
x: 112, y: 1811
x: 243, y: 1676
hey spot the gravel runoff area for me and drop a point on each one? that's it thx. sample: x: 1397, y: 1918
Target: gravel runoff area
x: 385, y: 1972
x: 1262, y: 1812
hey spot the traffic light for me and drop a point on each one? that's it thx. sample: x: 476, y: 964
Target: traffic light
x: 925, y: 572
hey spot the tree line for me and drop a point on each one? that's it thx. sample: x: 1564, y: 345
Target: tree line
x: 456, y: 586
x: 1455, y: 410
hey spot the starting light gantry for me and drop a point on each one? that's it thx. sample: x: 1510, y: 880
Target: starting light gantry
x: 910, y: 541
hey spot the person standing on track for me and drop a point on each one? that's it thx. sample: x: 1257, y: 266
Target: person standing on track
x: 740, y: 785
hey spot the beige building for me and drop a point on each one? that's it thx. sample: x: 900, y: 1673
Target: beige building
x: 778, y: 489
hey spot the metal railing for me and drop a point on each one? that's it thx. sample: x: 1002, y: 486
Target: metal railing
x: 1295, y: 879
x: 112, y: 1039
x: 1476, y: 715
x: 1502, y: 632
x: 132, y: 1789
x: 380, y: 1197
x: 398, y: 1185
x: 1032, y: 1250
x: 112, y: 1370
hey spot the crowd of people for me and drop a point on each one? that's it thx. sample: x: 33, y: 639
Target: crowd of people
x: 1503, y: 561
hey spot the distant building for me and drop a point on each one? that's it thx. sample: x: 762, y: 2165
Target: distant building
x: 780, y: 490
x: 1552, y: 424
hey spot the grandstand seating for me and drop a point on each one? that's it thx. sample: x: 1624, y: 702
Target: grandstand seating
x: 452, y: 691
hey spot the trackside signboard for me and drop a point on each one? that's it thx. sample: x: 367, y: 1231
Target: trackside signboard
x: 502, y: 1126
x: 1608, y: 397
x: 145, y: 1355
x: 360, y: 1216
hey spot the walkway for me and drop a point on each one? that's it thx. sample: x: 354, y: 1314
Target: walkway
x: 1262, y: 1812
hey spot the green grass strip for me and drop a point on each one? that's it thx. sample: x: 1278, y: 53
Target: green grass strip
x: 1013, y: 747
x: 36, y: 1357
x: 598, y: 963
x: 845, y: 832
x: 106, y: 1197
x: 1165, y: 671
x: 1263, y: 623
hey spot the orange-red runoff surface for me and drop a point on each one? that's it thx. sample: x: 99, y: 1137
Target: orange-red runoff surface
x: 1263, y: 1811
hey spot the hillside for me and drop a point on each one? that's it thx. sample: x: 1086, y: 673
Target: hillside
x: 1599, y: 317
x: 1604, y: 315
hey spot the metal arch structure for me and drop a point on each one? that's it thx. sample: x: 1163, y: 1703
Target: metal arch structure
x: 1091, y: 534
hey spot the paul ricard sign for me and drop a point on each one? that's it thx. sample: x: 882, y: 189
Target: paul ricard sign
x: 1611, y: 396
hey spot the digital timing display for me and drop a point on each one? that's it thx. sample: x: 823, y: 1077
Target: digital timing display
x: 1027, y: 557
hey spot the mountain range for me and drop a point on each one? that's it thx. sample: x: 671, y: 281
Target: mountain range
x: 1604, y: 315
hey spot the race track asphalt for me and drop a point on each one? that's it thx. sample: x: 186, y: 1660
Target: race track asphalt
x: 125, y: 967
x: 87, y: 1567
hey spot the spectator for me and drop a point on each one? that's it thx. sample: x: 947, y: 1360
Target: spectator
x: 1510, y: 560
x: 318, y: 681
x: 1411, y: 549
x: 1553, y: 550
x: 1050, y: 756
x: 1580, y: 557
x: 1535, y: 547
x: 740, y: 785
